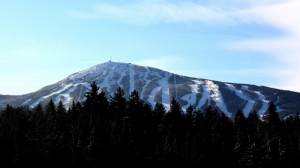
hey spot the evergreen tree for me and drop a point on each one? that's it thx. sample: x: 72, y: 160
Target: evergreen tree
x: 240, y: 133
x: 273, y: 121
x: 51, y: 116
x: 189, y: 117
x: 253, y: 125
x: 157, y: 123
x: 174, y: 129
x: 273, y: 126
x: 135, y: 110
x: 159, y: 112
x: 118, y: 104
x: 118, y: 130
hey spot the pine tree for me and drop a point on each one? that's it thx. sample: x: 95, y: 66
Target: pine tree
x: 51, y: 116
x: 289, y: 146
x: 117, y: 108
x: 189, y: 124
x: 62, y: 151
x: 118, y: 104
x: 273, y: 121
x: 174, y: 129
x: 74, y: 115
x: 253, y: 125
x: 274, y: 126
x: 120, y: 130
x: 159, y: 112
x: 50, y: 108
x: 189, y: 117
x: 134, y: 110
x: 157, y: 124
x: 96, y: 105
x: 240, y: 133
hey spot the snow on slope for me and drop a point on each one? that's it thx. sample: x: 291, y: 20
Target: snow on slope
x: 108, y: 78
x: 155, y: 85
x: 63, y: 93
x: 191, y: 98
x: 147, y: 81
x: 279, y: 109
x: 250, y: 103
x: 131, y: 78
x: 265, y: 103
x: 64, y: 88
x: 164, y: 83
x: 175, y: 85
x: 151, y: 97
x: 25, y: 102
x: 163, y: 87
x: 122, y: 75
x: 205, y: 97
x: 217, y: 96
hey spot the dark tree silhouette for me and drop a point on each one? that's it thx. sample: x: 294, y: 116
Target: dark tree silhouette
x: 120, y: 130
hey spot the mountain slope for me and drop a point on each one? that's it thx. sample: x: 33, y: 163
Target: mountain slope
x: 155, y: 85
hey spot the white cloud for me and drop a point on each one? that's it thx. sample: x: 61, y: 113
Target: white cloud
x: 284, y: 48
x: 152, y: 12
x: 281, y: 14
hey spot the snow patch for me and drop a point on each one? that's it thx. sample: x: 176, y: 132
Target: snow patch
x: 250, y: 103
x: 65, y: 98
x: 131, y: 78
x: 175, y: 85
x: 122, y: 75
x: 164, y: 88
x: 205, y: 97
x: 145, y: 78
x: 191, y: 98
x: 265, y: 103
x: 216, y: 96
x: 66, y: 90
x: 245, y: 87
x: 108, y: 78
x: 278, y: 108
x: 151, y: 97
x: 164, y: 83
x: 26, y: 102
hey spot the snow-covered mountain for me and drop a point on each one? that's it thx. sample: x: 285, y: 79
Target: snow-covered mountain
x: 156, y: 85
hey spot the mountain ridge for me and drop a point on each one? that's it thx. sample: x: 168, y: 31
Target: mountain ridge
x: 155, y: 85
x: 235, y: 83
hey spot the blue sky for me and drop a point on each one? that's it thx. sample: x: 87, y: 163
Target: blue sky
x: 245, y: 42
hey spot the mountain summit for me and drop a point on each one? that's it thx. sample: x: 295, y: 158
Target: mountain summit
x: 155, y: 85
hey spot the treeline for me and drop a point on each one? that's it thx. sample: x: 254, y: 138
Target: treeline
x: 117, y: 130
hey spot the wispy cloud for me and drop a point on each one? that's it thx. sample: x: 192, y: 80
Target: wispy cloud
x: 284, y: 48
x: 280, y: 14
x: 152, y: 12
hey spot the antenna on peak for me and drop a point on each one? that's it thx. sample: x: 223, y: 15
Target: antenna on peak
x: 109, y: 59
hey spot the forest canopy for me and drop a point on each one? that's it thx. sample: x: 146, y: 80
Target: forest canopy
x: 115, y: 129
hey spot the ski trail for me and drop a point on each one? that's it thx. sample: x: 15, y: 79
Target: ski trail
x: 175, y: 85
x: 250, y: 103
x: 164, y: 83
x: 205, y: 97
x: 131, y: 78
x: 147, y: 82
x: 265, y: 103
x: 151, y: 97
x: 191, y: 98
x: 217, y: 97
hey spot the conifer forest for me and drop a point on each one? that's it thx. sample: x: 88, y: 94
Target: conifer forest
x: 110, y: 130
